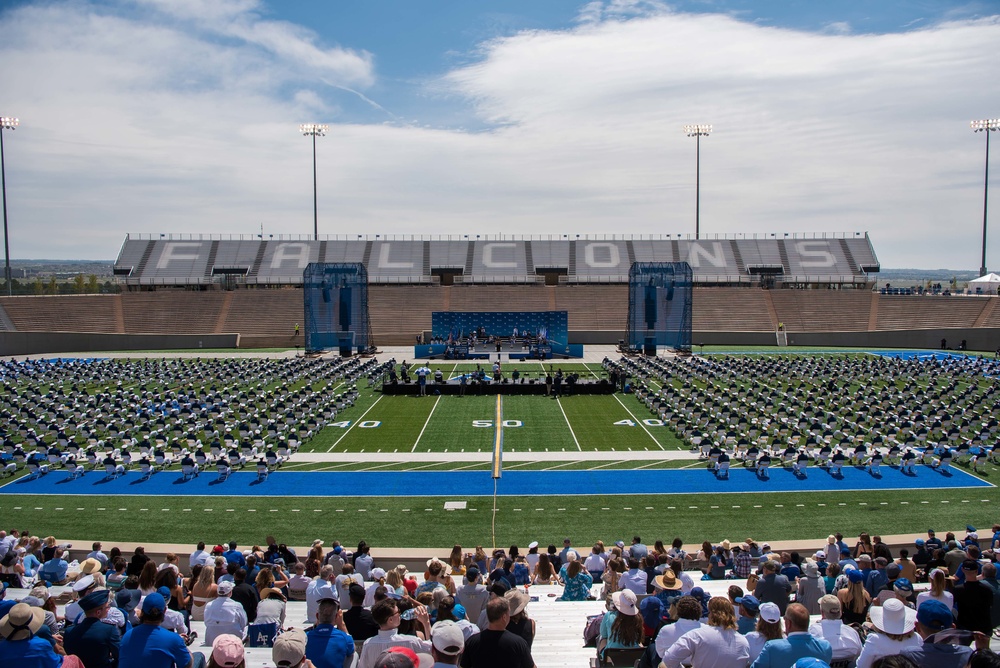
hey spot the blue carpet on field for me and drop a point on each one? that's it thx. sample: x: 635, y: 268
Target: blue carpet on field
x: 478, y: 483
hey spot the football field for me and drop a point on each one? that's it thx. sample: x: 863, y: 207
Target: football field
x: 602, y: 447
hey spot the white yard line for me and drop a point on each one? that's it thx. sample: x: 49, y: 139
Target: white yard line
x: 572, y: 433
x: 591, y: 371
x: 330, y: 449
x: 638, y: 422
x: 426, y: 422
x: 558, y: 466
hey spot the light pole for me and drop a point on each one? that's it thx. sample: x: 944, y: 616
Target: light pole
x: 697, y: 131
x: 5, y: 124
x: 314, y: 130
x: 987, y: 125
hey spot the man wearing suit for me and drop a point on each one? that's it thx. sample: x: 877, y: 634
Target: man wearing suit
x: 773, y: 587
x: 798, y: 644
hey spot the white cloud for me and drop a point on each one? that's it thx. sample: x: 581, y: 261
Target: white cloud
x: 140, y: 121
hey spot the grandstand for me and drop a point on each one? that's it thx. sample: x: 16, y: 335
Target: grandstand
x: 246, y: 291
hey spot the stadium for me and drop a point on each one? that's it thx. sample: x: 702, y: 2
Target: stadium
x: 786, y: 337
x: 503, y: 381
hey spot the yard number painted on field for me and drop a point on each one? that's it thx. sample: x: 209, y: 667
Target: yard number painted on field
x: 489, y: 423
x: 651, y: 422
x: 367, y: 424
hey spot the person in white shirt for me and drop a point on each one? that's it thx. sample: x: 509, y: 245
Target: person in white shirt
x: 715, y: 645
x: 688, y: 619
x: 343, y: 583
x: 843, y: 639
x: 594, y: 563
x: 321, y: 587
x: 224, y: 615
x: 200, y: 556
x: 386, y: 615
x: 895, y: 630
x: 298, y: 582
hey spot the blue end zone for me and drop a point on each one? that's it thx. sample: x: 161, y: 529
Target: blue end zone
x: 480, y: 483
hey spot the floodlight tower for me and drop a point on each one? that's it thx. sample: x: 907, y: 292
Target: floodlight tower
x: 986, y: 125
x: 6, y: 123
x: 314, y: 130
x: 697, y: 131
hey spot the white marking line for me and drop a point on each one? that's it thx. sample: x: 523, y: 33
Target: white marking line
x: 650, y: 465
x: 471, y: 466
x: 356, y: 422
x: 572, y: 433
x: 638, y: 422
x: 700, y: 462
x: 601, y: 466
x: 592, y: 373
x: 426, y: 422
x: 557, y: 466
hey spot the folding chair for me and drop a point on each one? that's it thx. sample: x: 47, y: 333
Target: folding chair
x: 76, y: 472
x: 9, y: 469
x: 37, y: 470
x: 189, y: 472
x: 722, y: 469
x: 147, y: 470
x: 262, y: 471
x: 224, y: 471
x: 112, y: 471
x: 261, y: 635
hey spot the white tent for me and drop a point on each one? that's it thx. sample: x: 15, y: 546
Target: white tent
x: 987, y: 284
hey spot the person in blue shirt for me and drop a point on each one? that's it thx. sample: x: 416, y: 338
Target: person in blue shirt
x: 54, y: 570
x: 328, y: 644
x: 22, y: 647
x: 151, y: 646
x: 234, y: 555
x: 798, y: 643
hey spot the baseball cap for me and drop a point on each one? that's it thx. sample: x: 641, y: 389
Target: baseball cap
x: 471, y: 573
x: 902, y: 584
x: 770, y: 612
x: 810, y: 662
x: 970, y: 565
x: 227, y: 651
x: 226, y: 588
x: 919, y: 542
x: 935, y: 615
x: 153, y: 603
x: 854, y: 575
x: 845, y: 550
x: 749, y: 602
x: 289, y: 649
x: 830, y: 605
x: 447, y: 638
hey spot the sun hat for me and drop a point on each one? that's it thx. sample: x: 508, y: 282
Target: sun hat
x: 750, y: 603
x: 770, y: 612
x: 447, y: 638
x: 651, y: 609
x: 893, y: 617
x: 318, y: 543
x: 89, y: 566
x: 624, y: 602
x: 227, y: 651
x: 268, y: 591
x: 22, y: 622
x: 668, y: 581
x: 289, y: 649
x: 517, y: 600
x: 532, y: 545
x: 811, y: 569
x: 128, y: 600
x: 726, y: 544
x: 935, y: 615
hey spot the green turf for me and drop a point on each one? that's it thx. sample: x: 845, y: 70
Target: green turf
x: 422, y: 522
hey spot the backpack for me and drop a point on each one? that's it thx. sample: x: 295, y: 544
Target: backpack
x: 592, y: 630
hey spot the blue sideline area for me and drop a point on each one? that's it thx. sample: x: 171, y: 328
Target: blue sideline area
x: 479, y: 483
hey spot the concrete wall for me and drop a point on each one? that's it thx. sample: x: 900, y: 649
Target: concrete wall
x: 36, y: 343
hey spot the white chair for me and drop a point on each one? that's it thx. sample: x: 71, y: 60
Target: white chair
x: 273, y: 461
x: 722, y: 469
x: 762, y: 469
x: 9, y: 469
x: 799, y: 467
x: 262, y: 471
x: 76, y: 472
x: 943, y: 464
x: 189, y: 472
x: 37, y: 470
x: 147, y: 470
x: 224, y: 471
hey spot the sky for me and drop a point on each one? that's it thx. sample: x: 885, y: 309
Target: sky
x: 520, y: 117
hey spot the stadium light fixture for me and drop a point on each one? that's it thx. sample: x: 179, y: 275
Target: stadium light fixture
x: 697, y: 131
x: 6, y: 123
x: 314, y: 130
x: 986, y: 125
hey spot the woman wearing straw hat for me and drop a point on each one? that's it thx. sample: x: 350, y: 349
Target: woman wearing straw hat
x: 22, y: 647
x: 667, y: 588
x: 520, y: 624
x: 621, y: 627
x: 895, y: 630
